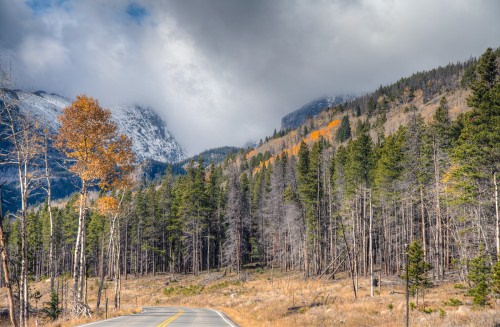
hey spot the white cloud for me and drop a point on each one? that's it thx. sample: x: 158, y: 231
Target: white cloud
x: 41, y: 55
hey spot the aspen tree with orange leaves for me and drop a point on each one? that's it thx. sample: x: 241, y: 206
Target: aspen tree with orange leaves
x: 100, y: 156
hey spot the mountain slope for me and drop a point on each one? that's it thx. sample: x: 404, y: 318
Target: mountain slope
x: 152, y: 169
x: 148, y: 131
x: 310, y: 110
x: 383, y: 110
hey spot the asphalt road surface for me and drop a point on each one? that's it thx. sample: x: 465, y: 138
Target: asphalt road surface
x: 168, y: 316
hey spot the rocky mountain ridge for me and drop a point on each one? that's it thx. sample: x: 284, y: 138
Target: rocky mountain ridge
x: 311, y: 110
x: 151, y: 139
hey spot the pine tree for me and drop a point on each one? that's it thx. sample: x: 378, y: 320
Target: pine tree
x: 418, y: 172
x: 344, y: 131
x: 390, y: 164
x: 193, y: 210
x: 372, y: 106
x: 52, y: 309
x: 441, y: 124
x: 479, y: 278
x: 476, y: 155
x: 486, y: 79
x: 417, y: 268
x: 495, y: 279
x: 359, y: 162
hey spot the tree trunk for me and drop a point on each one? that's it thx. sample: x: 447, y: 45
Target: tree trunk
x: 117, y: 266
x: 5, y: 267
x: 439, y: 237
x: 79, y: 239
x: 101, y: 274
x: 49, y: 207
x: 497, y: 228
x: 350, y: 259
x: 82, y: 265
x: 23, y: 291
x: 370, y: 250
x: 422, y: 213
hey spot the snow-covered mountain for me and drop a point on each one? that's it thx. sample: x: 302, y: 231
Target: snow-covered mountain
x: 148, y: 131
x: 311, y: 109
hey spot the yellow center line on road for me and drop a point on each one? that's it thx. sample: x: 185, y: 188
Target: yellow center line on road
x: 169, y: 320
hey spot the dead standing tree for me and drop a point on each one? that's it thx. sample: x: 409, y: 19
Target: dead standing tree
x: 4, y: 135
x: 25, y: 148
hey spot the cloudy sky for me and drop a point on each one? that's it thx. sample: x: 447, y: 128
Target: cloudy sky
x: 224, y: 72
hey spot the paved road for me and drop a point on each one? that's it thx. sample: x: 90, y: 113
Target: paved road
x: 168, y: 316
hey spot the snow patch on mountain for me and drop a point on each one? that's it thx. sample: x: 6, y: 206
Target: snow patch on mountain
x: 150, y: 137
x: 148, y: 131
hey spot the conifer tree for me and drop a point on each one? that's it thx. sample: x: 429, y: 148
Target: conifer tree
x: 390, y: 165
x: 306, y: 190
x: 344, y: 131
x: 485, y: 80
x: 193, y: 210
x: 479, y: 277
x: 441, y: 124
x: 495, y: 279
x: 477, y: 154
x: 52, y: 309
x: 417, y: 268
x: 360, y: 162
x: 418, y: 172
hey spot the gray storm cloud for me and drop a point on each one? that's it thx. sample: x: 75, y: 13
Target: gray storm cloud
x: 224, y: 72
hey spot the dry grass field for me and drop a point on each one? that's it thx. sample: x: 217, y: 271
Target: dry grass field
x: 269, y: 298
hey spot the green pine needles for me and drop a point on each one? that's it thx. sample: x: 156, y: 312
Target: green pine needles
x: 479, y: 277
x: 52, y: 309
x: 417, y: 269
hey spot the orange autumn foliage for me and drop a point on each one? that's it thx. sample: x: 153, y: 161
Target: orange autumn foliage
x: 313, y: 137
x: 251, y: 154
x: 107, y: 205
x: 90, y: 139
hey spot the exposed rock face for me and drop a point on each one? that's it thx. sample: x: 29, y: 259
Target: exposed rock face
x: 309, y: 110
x: 148, y: 131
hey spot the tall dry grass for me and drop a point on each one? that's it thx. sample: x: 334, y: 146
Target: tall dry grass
x: 286, y: 299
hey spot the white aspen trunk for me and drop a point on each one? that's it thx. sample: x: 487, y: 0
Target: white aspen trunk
x: 371, y: 247
x: 23, y: 312
x: 497, y: 215
x: 22, y: 167
x: 51, y: 219
x: 363, y: 234
x: 79, y: 238
x: 422, y: 212
x: 5, y: 266
x: 439, y: 236
x: 208, y: 252
x: 117, y: 268
x: 354, y: 247
x: 330, y: 216
x: 82, y: 264
x: 101, y: 274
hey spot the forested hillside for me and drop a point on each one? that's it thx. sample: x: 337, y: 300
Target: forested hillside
x: 415, y: 163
